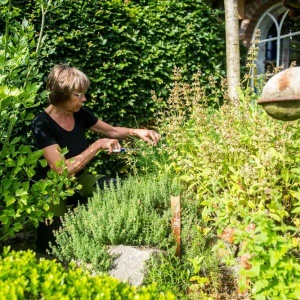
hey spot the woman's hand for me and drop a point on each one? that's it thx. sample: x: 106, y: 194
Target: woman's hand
x: 149, y: 136
x: 109, y: 144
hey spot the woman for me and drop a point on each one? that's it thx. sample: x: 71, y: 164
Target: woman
x: 64, y: 122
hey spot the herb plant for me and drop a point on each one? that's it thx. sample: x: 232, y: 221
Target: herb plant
x: 243, y: 169
x: 134, y: 212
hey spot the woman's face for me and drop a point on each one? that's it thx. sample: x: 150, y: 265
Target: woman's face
x: 75, y: 102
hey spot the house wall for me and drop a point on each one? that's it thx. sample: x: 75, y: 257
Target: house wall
x: 252, y: 12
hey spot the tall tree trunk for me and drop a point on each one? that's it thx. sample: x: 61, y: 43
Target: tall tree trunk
x: 232, y: 48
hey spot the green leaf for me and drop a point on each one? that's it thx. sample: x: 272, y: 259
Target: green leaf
x: 25, y: 22
x: 274, y: 257
x: 260, y: 285
x: 295, y: 194
x: 10, y: 162
x: 15, y: 140
x: 21, y: 192
x: 9, y: 212
x: 6, y: 182
x: 296, y: 210
x: 46, y: 206
x: 21, y: 160
x: 275, y: 217
x: 34, y: 157
x: 17, y: 226
x: 254, y: 271
x: 186, y: 178
x: 43, y: 162
x: 9, y: 200
x: 4, y: 219
x: 251, y: 204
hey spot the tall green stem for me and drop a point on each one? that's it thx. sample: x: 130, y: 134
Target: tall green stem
x: 42, y: 25
x: 6, y: 34
x: 39, y: 43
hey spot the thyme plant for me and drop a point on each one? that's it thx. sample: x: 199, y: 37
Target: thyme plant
x: 134, y: 212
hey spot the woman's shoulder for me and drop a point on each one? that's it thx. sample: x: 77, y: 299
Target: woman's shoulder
x: 86, y: 117
x: 84, y: 111
x: 41, y: 116
x: 41, y: 119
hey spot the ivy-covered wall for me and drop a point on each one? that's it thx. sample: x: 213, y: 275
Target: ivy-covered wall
x: 129, y: 48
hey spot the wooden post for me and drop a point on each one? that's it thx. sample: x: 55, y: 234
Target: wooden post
x: 176, y: 223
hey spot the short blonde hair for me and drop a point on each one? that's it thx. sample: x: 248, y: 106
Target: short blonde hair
x: 63, y: 80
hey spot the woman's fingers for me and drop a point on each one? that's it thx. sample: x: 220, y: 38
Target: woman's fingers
x: 110, y: 144
x: 149, y: 136
x: 154, y: 136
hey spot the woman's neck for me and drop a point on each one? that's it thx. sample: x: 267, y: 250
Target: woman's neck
x: 62, y: 117
x: 56, y: 111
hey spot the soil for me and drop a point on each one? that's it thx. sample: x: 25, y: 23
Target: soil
x: 228, y: 287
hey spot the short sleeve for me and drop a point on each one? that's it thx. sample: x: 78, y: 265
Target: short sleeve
x: 42, y: 132
x: 87, y: 117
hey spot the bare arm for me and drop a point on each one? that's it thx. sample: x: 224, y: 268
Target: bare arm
x: 75, y: 164
x: 149, y: 136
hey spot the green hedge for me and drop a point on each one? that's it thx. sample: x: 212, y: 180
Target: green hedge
x: 22, y: 276
x: 130, y: 48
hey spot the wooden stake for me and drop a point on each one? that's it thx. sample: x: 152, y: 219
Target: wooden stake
x: 176, y: 223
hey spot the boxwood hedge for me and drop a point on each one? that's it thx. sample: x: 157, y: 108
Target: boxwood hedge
x: 22, y: 276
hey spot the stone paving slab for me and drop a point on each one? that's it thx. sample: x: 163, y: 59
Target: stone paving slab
x: 129, y: 265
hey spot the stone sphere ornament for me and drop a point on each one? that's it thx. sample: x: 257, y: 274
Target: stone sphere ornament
x: 280, y: 96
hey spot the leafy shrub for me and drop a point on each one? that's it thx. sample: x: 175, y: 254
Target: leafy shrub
x: 22, y: 276
x: 243, y: 168
x: 23, y: 200
x: 275, y: 268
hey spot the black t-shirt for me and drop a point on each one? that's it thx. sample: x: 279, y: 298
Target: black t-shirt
x: 47, y: 132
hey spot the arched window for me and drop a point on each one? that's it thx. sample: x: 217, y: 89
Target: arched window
x: 279, y: 43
